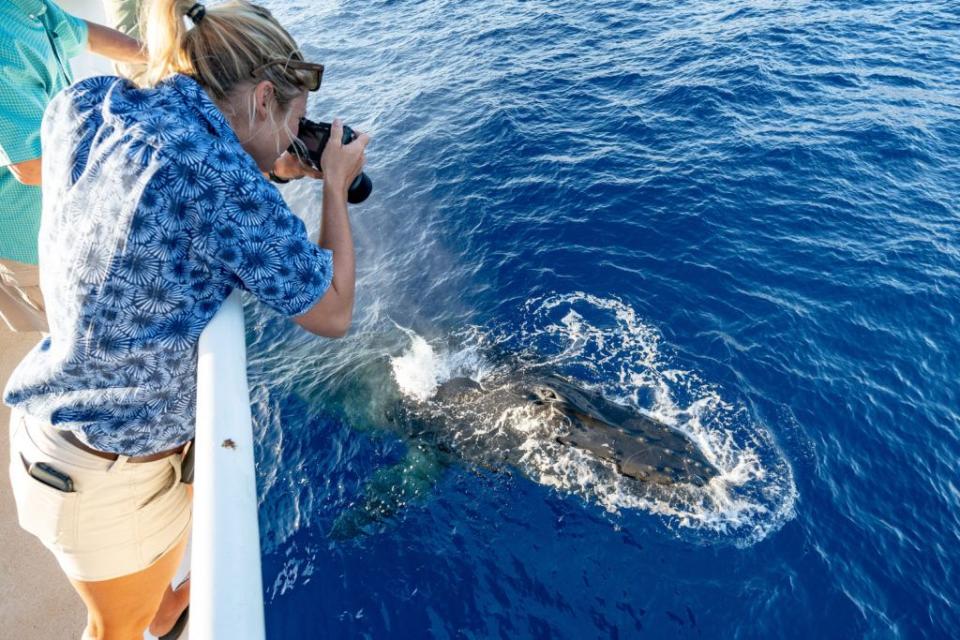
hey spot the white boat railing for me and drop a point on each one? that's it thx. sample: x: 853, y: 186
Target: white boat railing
x: 226, y: 586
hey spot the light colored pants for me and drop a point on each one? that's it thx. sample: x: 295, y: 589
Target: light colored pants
x: 21, y: 302
x: 121, y: 517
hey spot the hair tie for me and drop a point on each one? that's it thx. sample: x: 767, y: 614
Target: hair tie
x: 196, y: 13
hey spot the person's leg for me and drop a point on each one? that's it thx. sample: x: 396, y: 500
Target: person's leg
x: 123, y: 608
x: 174, y: 602
x: 21, y: 302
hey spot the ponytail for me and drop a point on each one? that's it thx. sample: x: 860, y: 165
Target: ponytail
x: 222, y: 48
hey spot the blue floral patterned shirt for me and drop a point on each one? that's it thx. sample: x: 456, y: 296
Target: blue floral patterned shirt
x: 152, y: 214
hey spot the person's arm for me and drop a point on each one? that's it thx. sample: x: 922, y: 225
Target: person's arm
x: 332, y: 315
x: 100, y: 40
x: 112, y: 44
x: 27, y: 172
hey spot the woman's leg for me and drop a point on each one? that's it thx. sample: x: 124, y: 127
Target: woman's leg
x: 173, y: 602
x: 21, y: 302
x: 171, y: 606
x: 122, y: 608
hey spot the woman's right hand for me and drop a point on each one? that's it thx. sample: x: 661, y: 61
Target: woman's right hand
x: 342, y: 163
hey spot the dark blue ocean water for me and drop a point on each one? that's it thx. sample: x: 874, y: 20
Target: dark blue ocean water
x: 739, y: 216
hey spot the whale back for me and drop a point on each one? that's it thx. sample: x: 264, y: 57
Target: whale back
x: 639, y: 446
x: 456, y: 389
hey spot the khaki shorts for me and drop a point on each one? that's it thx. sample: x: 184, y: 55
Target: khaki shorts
x: 21, y: 303
x: 121, y: 517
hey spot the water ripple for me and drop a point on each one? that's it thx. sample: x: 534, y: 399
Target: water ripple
x: 770, y: 186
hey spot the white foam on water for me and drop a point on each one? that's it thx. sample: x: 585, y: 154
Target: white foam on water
x: 612, y: 351
x: 420, y: 370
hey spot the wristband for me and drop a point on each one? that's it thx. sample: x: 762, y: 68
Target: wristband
x: 277, y: 179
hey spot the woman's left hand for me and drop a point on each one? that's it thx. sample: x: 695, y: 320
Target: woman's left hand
x: 289, y: 167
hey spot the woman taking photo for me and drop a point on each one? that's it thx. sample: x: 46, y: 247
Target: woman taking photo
x: 155, y: 206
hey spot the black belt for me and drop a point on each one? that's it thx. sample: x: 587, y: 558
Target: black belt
x: 70, y: 437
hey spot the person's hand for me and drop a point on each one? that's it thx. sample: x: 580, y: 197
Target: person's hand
x: 342, y: 163
x: 289, y: 167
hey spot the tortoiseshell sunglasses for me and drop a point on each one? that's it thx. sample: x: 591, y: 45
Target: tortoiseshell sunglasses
x: 313, y: 80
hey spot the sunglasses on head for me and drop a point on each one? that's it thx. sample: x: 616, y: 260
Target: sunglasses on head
x: 310, y: 80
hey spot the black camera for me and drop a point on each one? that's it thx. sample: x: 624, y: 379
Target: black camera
x: 312, y: 138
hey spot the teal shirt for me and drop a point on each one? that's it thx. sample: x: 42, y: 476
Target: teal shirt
x: 37, y: 40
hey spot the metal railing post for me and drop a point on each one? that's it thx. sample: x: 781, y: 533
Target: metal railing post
x: 226, y: 594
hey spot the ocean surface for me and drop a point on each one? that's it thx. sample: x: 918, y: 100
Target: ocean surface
x: 738, y: 217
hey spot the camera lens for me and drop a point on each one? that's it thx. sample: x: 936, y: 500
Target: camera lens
x: 360, y: 189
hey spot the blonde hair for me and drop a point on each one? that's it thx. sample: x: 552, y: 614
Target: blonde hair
x: 222, y: 48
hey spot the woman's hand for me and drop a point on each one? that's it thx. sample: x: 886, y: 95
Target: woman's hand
x: 342, y: 163
x: 289, y: 167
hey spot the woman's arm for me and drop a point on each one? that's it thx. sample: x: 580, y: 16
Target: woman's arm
x: 112, y: 44
x: 332, y: 315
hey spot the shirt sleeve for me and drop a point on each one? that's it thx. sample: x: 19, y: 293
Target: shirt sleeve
x: 71, y: 30
x: 22, y: 101
x: 256, y: 237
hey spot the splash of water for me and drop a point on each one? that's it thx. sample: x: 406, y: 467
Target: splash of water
x: 602, y: 343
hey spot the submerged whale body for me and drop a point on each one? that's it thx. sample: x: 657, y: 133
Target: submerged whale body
x: 638, y: 446
x: 493, y: 426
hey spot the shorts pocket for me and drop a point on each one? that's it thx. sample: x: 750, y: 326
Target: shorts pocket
x: 43, y: 511
x: 164, y: 485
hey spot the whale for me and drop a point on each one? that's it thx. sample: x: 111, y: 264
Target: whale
x: 487, y: 423
x: 637, y: 445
